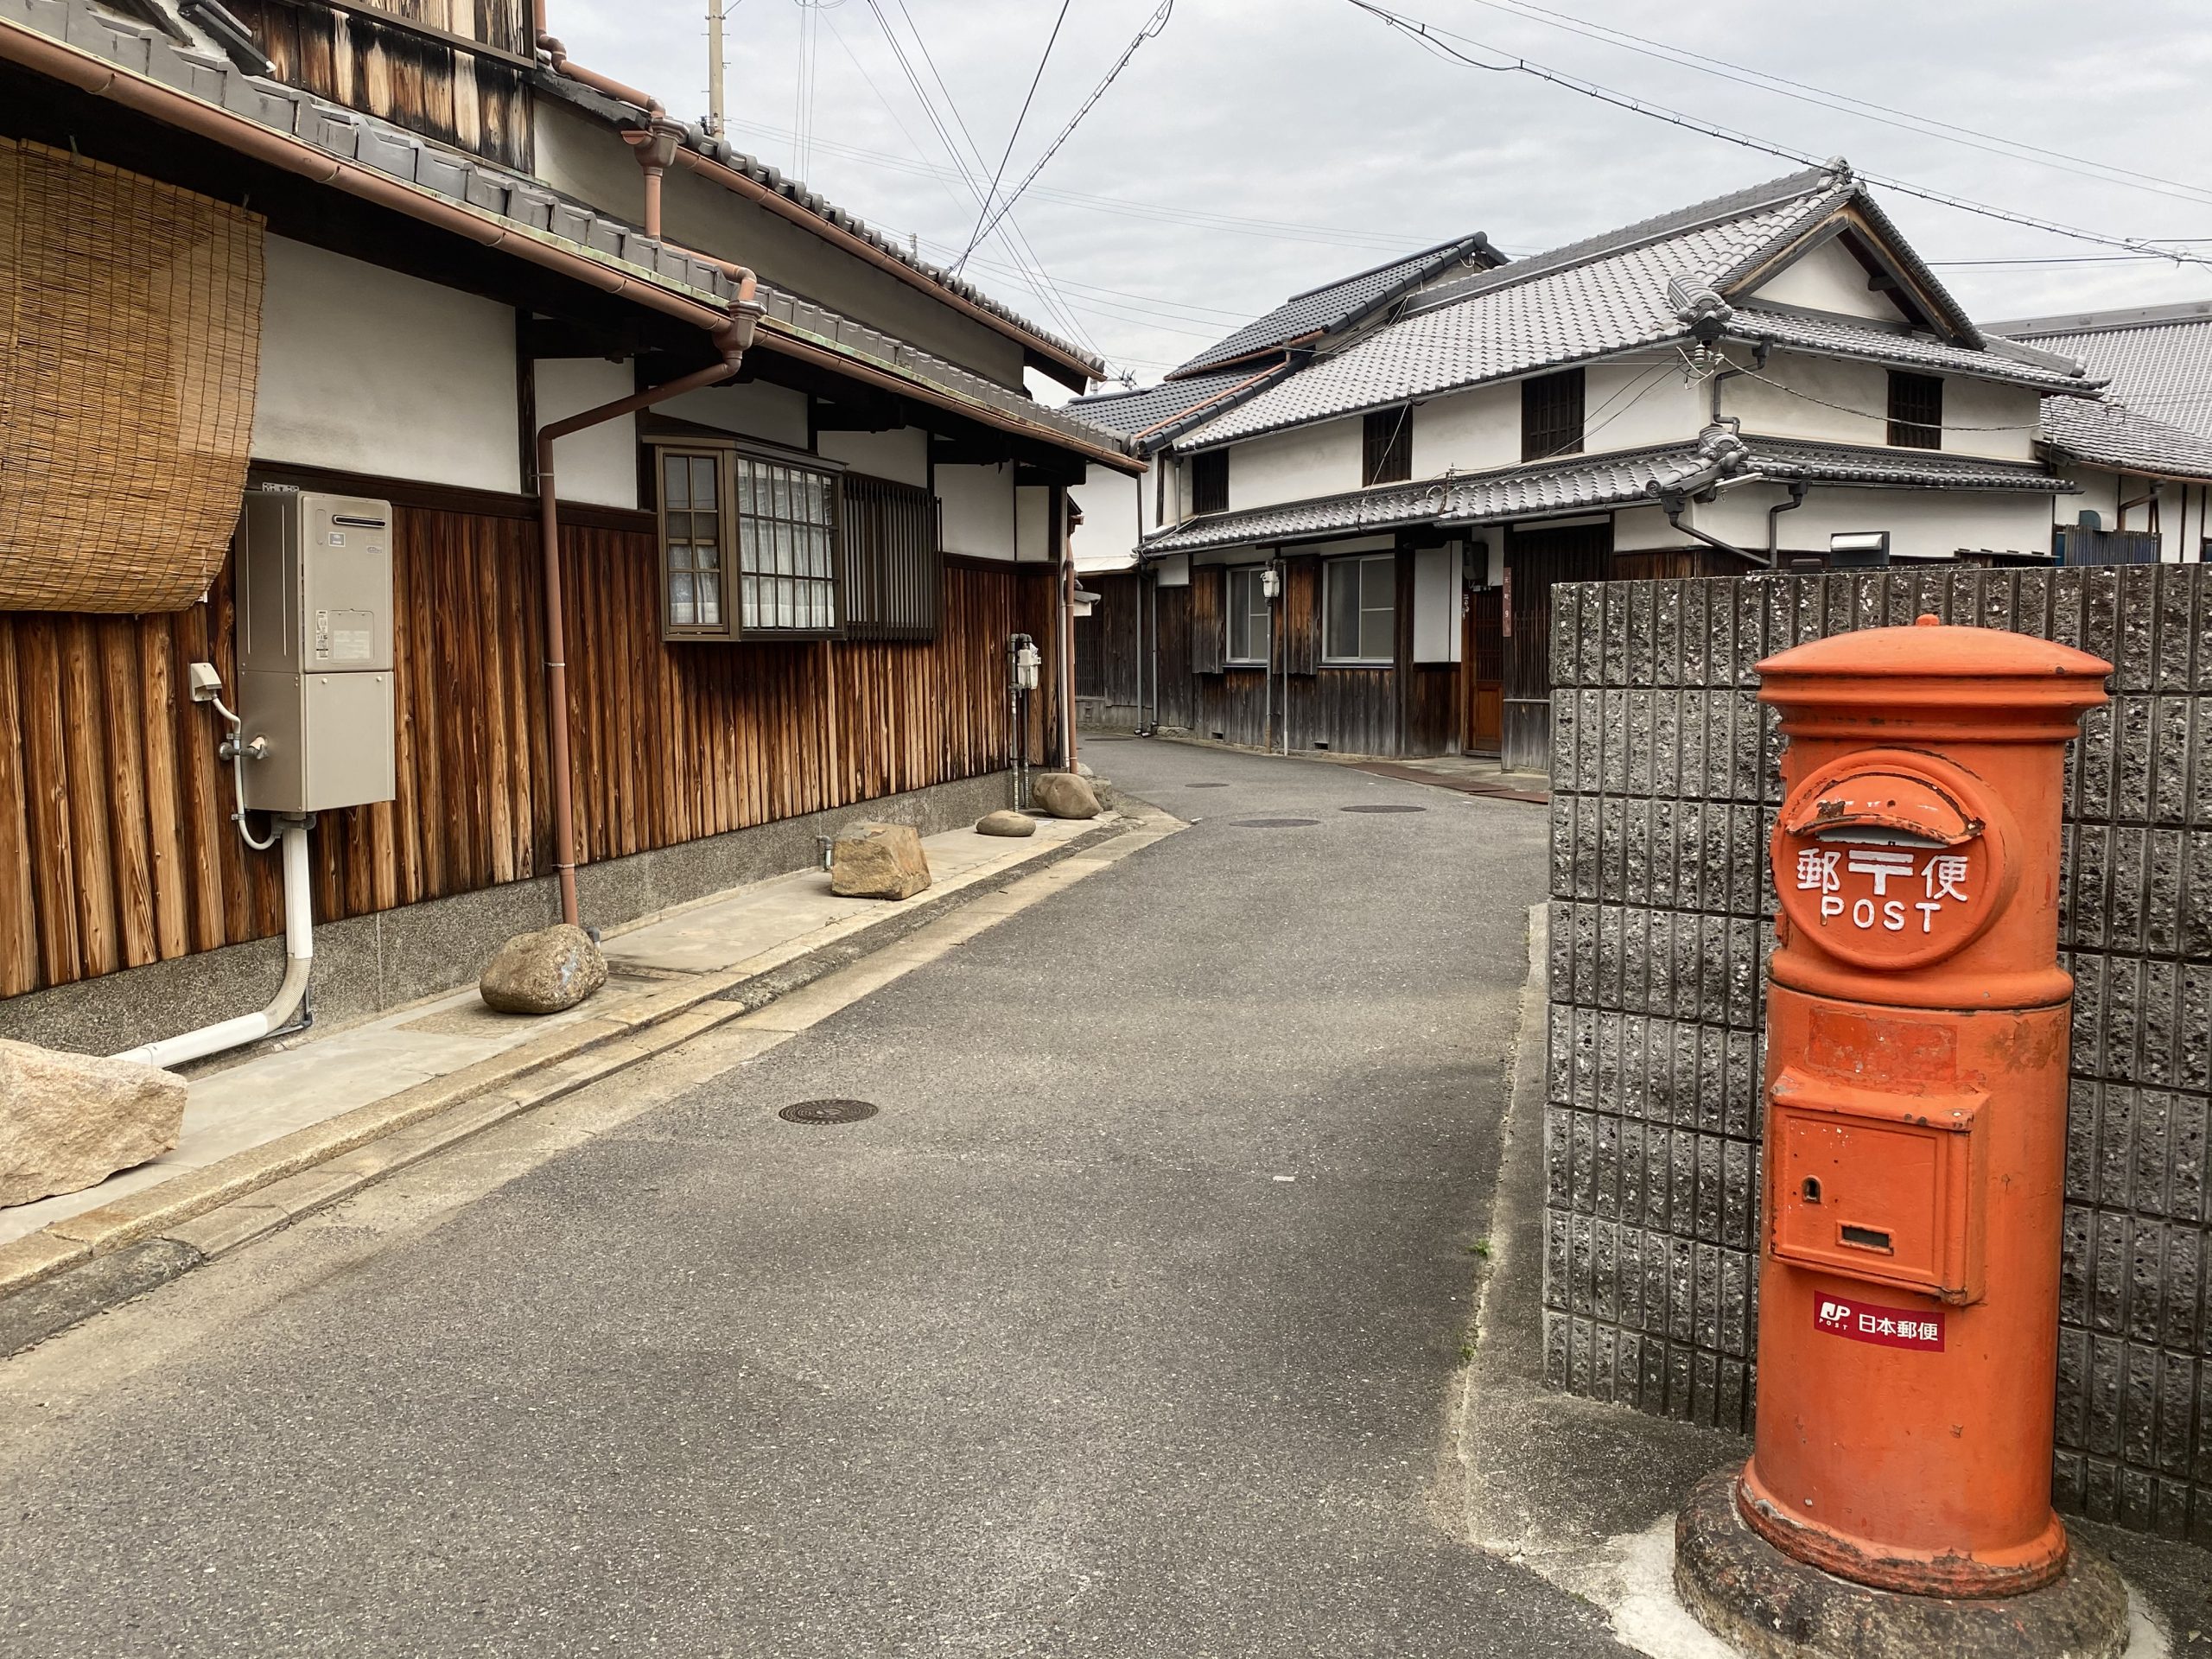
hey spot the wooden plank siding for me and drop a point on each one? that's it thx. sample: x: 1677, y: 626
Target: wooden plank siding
x: 115, y: 844
x: 421, y: 77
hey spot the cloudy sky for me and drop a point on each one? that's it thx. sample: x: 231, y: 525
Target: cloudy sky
x: 1258, y: 147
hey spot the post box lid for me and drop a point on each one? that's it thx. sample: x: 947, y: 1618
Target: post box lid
x: 1931, y: 649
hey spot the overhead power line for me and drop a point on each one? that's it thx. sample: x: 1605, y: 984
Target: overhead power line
x: 1439, y: 43
x: 1153, y: 25
x: 1007, y: 154
x: 1887, y: 114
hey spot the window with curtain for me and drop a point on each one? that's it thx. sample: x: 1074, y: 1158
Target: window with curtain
x: 1360, y: 606
x: 1248, y: 614
x: 749, y: 545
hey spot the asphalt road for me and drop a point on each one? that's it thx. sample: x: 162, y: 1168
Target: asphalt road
x: 1130, y: 1325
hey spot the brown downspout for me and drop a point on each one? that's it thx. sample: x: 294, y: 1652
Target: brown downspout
x: 732, y: 339
x: 1071, y: 516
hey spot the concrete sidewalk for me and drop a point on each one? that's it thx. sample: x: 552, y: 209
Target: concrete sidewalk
x: 280, y: 1110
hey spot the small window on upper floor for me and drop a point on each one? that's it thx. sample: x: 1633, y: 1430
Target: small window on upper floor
x: 1915, y: 410
x: 1209, y: 482
x: 1387, y: 455
x: 1551, y: 416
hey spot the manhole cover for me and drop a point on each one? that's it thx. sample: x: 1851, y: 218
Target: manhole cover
x: 1205, y: 786
x: 1272, y: 823
x: 826, y: 1111
x: 1383, y: 808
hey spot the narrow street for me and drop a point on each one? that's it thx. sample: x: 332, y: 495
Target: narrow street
x: 1130, y: 1325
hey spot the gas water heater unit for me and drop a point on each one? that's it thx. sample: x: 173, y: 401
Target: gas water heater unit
x: 316, y: 684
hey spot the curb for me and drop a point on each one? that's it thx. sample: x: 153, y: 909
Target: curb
x: 74, y: 1268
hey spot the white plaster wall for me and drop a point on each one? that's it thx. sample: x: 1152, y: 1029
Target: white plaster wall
x: 1436, y: 604
x: 975, y: 510
x: 1642, y: 530
x: 1033, y: 524
x: 2007, y: 414
x: 599, y: 464
x: 1862, y: 388
x: 901, y: 455
x: 1474, y: 431
x: 1294, y: 466
x: 751, y: 410
x: 366, y: 371
x: 1829, y: 279
x: 1625, y: 407
x: 1107, y: 539
x: 1922, y: 524
x: 583, y: 157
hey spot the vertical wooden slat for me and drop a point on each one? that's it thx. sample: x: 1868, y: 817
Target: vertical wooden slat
x: 123, y: 792
x: 156, y: 644
x: 19, y: 966
x: 85, y: 772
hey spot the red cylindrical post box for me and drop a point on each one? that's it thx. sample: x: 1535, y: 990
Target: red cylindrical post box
x: 1916, y: 1116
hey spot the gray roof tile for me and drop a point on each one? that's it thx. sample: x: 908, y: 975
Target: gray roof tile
x: 1605, y: 295
x: 1334, y: 304
x: 2158, y: 359
x: 1591, y: 483
x: 2109, y: 434
x: 1152, y: 415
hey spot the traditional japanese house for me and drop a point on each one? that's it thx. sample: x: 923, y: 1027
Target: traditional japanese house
x: 1356, y: 551
x: 2143, y: 453
x: 405, y: 255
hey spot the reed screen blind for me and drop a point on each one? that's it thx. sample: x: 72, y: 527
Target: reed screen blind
x: 131, y: 311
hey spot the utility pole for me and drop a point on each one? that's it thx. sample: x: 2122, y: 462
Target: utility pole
x: 714, y: 9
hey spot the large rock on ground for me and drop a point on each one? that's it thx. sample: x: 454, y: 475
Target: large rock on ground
x: 1065, y: 795
x: 1003, y: 823
x: 878, y: 860
x: 543, y: 972
x: 69, y: 1122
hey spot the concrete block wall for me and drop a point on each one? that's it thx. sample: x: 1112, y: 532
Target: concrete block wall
x: 1665, y: 781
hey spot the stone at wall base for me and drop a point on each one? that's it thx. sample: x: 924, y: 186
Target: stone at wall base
x: 1004, y: 822
x: 69, y: 1122
x: 545, y: 972
x: 1065, y: 795
x: 878, y: 860
x: 1764, y: 1602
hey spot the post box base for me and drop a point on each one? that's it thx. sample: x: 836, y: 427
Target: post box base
x: 1766, y: 1603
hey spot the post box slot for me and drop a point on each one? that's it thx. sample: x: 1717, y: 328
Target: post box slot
x: 1887, y: 808
x: 1906, y: 1168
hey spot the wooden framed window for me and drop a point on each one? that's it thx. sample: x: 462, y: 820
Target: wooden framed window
x: 748, y: 546
x: 1551, y: 416
x: 890, y: 560
x: 1915, y: 410
x: 1387, y: 446
x: 1209, y: 482
x: 1360, y: 624
x: 1248, y: 614
x: 694, y: 593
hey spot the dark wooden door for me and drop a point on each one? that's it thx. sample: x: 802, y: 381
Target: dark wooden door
x: 1481, y: 656
x: 1533, y: 561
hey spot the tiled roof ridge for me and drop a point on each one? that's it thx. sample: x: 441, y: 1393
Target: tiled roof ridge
x: 2115, y: 321
x: 1448, y: 245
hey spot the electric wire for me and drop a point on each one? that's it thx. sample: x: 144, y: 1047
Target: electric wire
x: 1434, y: 42
x: 1016, y: 246
x: 1844, y: 102
x: 1154, y: 26
x: 1007, y: 154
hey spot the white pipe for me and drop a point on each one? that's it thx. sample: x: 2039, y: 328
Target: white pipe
x: 299, y: 959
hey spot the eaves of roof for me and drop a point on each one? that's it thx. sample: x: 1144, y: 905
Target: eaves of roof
x: 715, y: 159
x: 1838, y: 337
x: 140, y: 68
x: 1593, y: 483
x: 1150, y: 418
